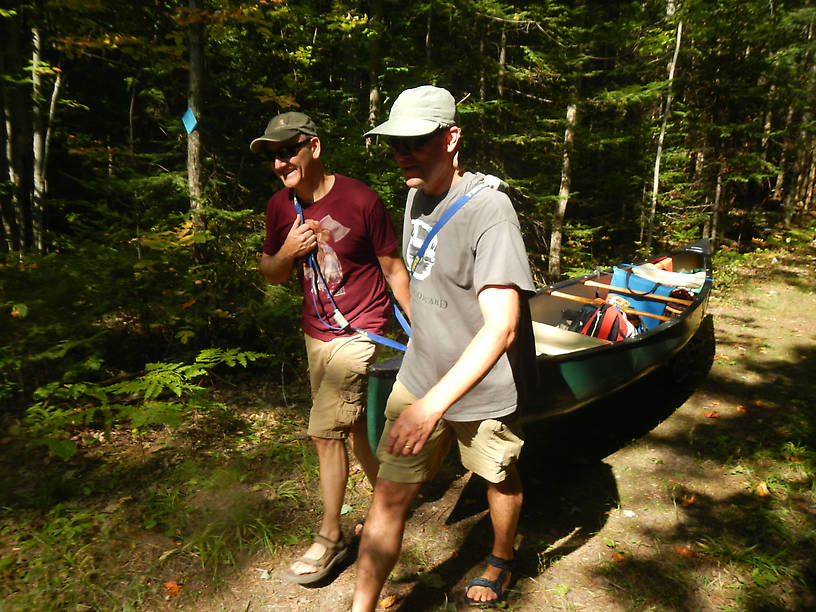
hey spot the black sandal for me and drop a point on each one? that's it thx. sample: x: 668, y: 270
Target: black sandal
x: 494, y: 585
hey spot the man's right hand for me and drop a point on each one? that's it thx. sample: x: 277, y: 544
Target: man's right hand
x: 301, y: 239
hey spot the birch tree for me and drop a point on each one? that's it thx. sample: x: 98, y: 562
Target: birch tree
x: 563, y: 194
x: 662, y: 135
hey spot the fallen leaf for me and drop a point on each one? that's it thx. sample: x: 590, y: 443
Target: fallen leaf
x: 715, y: 403
x: 762, y: 489
x: 618, y: 557
x: 387, y: 602
x: 688, y: 500
x: 711, y: 414
x: 684, y: 551
x: 173, y: 588
x: 758, y: 403
x: 794, y: 459
x: 742, y: 409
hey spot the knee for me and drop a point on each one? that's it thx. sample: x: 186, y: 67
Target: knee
x: 393, y: 497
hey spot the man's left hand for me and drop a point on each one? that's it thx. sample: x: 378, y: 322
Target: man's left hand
x: 412, y: 428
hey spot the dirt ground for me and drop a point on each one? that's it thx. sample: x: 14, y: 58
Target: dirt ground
x: 605, y: 517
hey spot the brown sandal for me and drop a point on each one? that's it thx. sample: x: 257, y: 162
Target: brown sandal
x: 334, y: 554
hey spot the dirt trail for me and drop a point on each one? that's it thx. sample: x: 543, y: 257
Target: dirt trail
x: 606, y: 526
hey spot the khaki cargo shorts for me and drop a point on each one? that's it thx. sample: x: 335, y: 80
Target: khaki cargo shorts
x: 337, y: 374
x: 487, y: 448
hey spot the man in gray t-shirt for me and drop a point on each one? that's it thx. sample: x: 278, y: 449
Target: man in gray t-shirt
x: 465, y: 373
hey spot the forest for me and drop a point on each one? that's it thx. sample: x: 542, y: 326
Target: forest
x: 130, y: 240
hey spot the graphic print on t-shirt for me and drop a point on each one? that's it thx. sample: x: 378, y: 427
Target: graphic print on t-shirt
x: 420, y: 229
x: 328, y: 231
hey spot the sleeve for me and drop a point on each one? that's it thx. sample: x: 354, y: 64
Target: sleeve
x: 501, y: 257
x: 380, y: 228
x: 274, y: 237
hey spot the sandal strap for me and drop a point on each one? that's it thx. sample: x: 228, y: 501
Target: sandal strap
x: 502, y: 564
x: 331, y: 545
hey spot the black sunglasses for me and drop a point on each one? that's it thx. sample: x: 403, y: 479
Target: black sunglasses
x: 288, y: 152
x: 408, y: 144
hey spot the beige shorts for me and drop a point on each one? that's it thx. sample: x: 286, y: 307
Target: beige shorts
x: 337, y: 374
x: 487, y: 448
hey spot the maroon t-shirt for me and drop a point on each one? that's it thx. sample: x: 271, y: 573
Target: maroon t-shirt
x: 354, y: 230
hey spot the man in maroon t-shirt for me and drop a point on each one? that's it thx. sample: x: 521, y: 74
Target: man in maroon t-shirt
x: 346, y: 228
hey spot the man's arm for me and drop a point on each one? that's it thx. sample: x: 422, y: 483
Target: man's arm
x: 300, y: 241
x: 397, y: 277
x: 500, y: 308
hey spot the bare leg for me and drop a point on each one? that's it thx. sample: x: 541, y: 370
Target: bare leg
x: 362, y: 450
x: 382, y: 539
x: 504, y: 499
x: 333, y: 459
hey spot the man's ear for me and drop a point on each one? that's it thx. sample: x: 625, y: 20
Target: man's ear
x: 316, y: 147
x: 454, y: 134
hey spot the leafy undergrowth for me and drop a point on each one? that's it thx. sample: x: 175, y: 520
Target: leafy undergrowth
x: 714, y: 508
x: 706, y: 503
x: 138, y: 518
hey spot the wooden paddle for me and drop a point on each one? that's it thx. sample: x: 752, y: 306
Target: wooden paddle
x: 598, y: 301
x: 654, y: 296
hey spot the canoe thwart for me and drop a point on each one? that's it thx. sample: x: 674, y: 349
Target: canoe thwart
x: 599, y: 301
x: 654, y: 296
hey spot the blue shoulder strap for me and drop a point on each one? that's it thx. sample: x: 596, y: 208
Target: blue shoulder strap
x: 446, y: 216
x: 338, y: 317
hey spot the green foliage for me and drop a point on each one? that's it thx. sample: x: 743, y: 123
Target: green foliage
x: 62, y: 407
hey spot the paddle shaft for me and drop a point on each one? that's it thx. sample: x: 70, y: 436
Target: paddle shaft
x: 578, y: 298
x: 654, y: 296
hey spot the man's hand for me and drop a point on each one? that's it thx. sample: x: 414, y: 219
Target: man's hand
x: 411, y: 430
x: 301, y: 239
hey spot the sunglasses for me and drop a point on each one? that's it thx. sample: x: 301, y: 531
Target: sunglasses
x: 412, y: 143
x: 287, y: 152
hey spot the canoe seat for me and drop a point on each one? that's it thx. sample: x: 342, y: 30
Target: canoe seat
x: 552, y: 340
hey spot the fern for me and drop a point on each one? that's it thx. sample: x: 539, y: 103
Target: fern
x: 63, y: 407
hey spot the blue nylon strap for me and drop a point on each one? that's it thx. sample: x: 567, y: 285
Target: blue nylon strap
x: 446, y: 216
x: 312, y: 261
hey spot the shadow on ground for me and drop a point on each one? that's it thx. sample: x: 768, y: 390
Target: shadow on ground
x: 568, y: 489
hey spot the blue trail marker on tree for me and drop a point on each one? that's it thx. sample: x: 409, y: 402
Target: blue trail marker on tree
x: 189, y: 120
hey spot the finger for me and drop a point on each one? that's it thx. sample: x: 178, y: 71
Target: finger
x: 298, y: 220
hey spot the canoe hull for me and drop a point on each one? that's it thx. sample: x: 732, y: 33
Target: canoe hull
x: 574, y: 379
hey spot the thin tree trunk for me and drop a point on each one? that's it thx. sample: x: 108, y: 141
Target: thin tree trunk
x: 482, y: 80
x: 783, y: 159
x: 38, y: 142
x: 374, y: 63
x: 715, y: 212
x: 660, y: 138
x: 194, y: 101
x: 428, y: 22
x: 15, y: 203
x: 554, y: 270
x: 502, y: 62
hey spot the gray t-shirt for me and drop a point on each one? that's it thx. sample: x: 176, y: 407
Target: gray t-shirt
x: 480, y: 245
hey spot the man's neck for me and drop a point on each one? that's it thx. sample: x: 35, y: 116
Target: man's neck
x: 316, y: 188
x: 444, y: 184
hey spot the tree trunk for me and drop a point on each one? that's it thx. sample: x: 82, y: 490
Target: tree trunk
x: 554, y: 270
x: 428, y: 22
x: 715, y: 211
x: 375, y: 63
x: 783, y: 160
x: 194, y: 101
x: 15, y: 203
x: 502, y: 62
x: 666, y: 112
x: 482, y: 80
